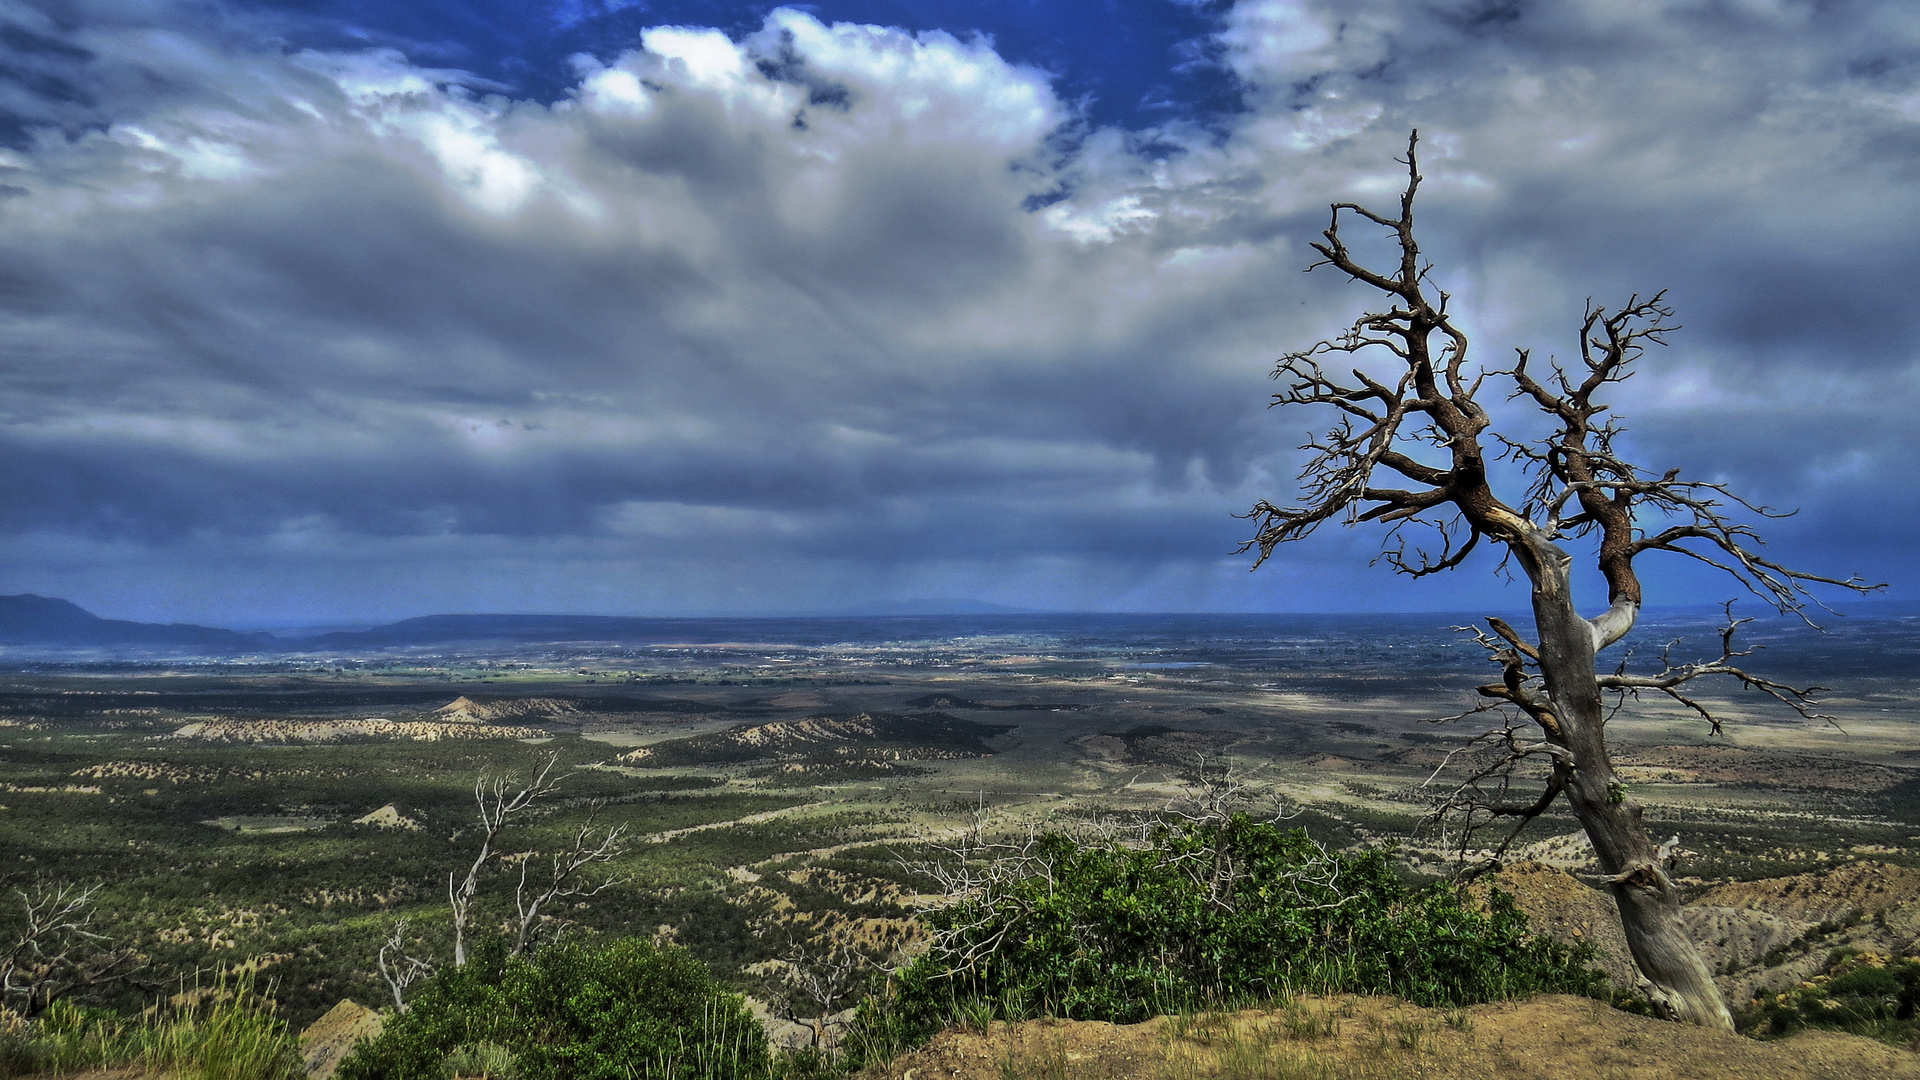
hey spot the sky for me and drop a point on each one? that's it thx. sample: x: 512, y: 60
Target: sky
x: 335, y: 311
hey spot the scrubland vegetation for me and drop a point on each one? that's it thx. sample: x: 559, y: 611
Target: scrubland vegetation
x: 1193, y: 914
x: 809, y: 879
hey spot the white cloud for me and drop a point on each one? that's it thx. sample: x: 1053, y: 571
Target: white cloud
x: 854, y: 296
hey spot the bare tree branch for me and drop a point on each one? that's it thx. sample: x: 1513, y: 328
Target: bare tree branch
x: 563, y: 883
x: 820, y: 981
x: 1483, y: 797
x: 398, y: 968
x: 498, y: 800
x: 55, y: 951
x: 1672, y: 677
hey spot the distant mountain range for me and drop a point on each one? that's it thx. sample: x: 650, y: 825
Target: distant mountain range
x: 31, y: 621
x: 41, y: 622
x: 44, y: 621
x: 441, y: 629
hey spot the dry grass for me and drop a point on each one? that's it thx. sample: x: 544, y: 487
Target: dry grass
x: 1357, y: 1038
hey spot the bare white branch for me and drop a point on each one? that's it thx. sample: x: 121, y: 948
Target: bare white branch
x: 563, y: 882
x: 398, y: 968
x: 55, y: 950
x: 498, y: 799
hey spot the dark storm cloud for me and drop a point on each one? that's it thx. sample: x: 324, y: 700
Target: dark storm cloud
x: 1754, y: 159
x: 695, y: 336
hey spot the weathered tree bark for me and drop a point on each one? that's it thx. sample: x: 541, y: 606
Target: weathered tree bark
x: 1576, y: 487
x: 1678, y: 981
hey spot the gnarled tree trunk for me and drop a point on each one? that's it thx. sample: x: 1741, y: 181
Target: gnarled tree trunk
x: 1679, y: 983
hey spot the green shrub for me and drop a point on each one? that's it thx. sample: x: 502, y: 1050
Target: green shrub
x: 573, y: 1011
x: 1859, y: 992
x: 1202, y: 914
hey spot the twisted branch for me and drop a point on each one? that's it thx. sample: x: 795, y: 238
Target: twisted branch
x: 1672, y: 677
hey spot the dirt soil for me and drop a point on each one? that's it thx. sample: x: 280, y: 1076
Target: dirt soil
x: 1354, y: 1038
x: 328, y: 1040
x: 1865, y: 887
x: 1562, y: 907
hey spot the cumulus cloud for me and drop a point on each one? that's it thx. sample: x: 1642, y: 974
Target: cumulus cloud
x: 830, y: 312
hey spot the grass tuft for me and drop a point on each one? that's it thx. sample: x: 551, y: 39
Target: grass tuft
x: 226, y: 1032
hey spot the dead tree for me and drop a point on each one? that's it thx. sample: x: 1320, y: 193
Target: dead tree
x: 498, y: 799
x: 531, y: 899
x: 55, y: 951
x: 399, y: 968
x: 1410, y: 447
x: 1212, y: 794
x: 821, y: 980
x: 501, y: 800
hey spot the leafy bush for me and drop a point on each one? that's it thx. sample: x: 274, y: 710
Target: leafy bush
x: 573, y: 1011
x: 1206, y: 912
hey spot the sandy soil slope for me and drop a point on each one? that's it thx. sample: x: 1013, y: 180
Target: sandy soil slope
x: 1759, y: 937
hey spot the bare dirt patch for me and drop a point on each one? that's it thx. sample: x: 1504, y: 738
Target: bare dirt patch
x: 327, y: 1041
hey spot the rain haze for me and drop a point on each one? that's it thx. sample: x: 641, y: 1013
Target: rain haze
x: 330, y: 311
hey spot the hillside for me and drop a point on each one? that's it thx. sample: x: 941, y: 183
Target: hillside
x: 1367, y: 1038
x: 1759, y: 937
x: 326, y: 731
x: 1868, y: 888
x: 878, y: 735
x: 494, y: 709
x: 43, y: 621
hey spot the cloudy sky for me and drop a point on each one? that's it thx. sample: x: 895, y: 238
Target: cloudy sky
x: 331, y: 310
